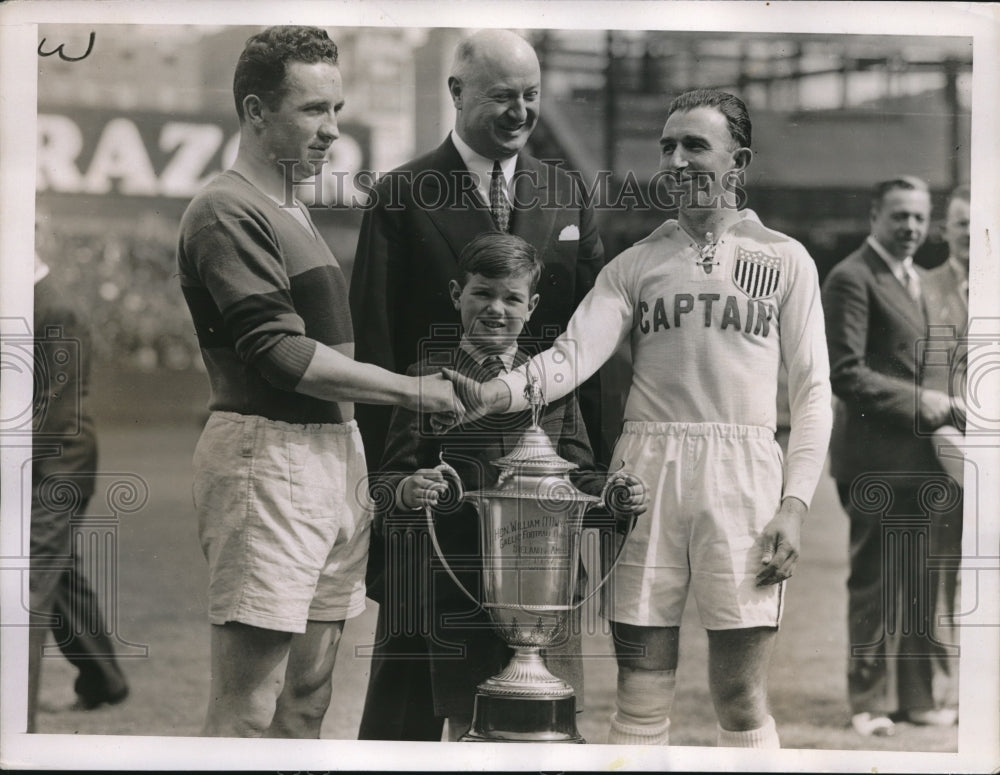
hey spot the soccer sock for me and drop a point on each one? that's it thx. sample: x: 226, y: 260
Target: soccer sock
x: 764, y: 737
x: 643, y: 706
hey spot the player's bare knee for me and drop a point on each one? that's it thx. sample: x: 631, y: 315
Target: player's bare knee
x: 311, y: 693
x: 246, y: 716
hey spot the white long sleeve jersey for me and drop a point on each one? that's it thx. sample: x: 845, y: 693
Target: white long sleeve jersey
x: 707, y: 342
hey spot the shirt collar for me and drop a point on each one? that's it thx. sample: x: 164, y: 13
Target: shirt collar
x: 506, y: 357
x: 898, y: 266
x: 673, y: 228
x: 482, y: 167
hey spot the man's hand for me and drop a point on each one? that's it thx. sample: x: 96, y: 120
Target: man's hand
x: 780, y: 541
x: 626, y: 495
x: 477, y: 399
x: 935, y: 408
x: 422, y: 488
x: 436, y: 394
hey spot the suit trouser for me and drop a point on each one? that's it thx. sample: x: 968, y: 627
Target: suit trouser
x: 59, y: 589
x: 81, y: 635
x: 902, y: 654
x: 399, y: 702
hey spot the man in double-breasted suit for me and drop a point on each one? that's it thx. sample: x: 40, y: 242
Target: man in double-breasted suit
x: 883, y: 460
x: 419, y: 218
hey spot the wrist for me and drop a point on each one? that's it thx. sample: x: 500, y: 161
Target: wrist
x: 794, y: 505
x: 497, y: 396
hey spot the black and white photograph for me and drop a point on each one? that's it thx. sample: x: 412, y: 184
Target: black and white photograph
x: 610, y: 385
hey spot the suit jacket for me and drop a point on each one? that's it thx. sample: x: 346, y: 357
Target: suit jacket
x: 63, y: 441
x: 873, y: 328
x: 419, y: 218
x: 948, y: 313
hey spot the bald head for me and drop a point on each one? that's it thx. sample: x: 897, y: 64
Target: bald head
x: 492, y: 50
x: 495, y: 86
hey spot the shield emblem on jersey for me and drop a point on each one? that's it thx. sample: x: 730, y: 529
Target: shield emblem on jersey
x: 756, y: 273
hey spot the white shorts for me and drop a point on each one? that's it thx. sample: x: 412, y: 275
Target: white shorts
x: 284, y: 520
x: 712, y: 489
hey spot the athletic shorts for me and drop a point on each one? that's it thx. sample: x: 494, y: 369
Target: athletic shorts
x: 284, y: 520
x: 712, y: 488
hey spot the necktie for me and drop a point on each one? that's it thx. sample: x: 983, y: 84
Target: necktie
x: 499, y: 204
x: 911, y: 282
x: 492, y: 367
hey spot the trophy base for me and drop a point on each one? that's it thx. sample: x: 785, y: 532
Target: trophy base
x: 523, y: 720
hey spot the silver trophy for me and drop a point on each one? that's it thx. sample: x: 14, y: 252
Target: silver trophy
x: 530, y: 527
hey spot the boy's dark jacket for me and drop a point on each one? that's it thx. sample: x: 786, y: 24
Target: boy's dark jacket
x: 420, y: 582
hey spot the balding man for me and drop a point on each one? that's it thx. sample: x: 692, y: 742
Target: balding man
x: 420, y: 217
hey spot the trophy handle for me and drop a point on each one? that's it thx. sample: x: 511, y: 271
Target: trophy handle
x: 613, y: 481
x: 450, y: 473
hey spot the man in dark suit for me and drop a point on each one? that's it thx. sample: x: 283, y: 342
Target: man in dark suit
x: 63, y: 476
x: 882, y: 457
x: 419, y: 218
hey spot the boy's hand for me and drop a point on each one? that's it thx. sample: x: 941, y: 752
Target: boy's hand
x: 422, y: 488
x: 626, y: 495
x: 477, y: 399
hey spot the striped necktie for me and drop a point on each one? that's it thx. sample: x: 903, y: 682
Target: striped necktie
x: 499, y: 204
x: 492, y: 367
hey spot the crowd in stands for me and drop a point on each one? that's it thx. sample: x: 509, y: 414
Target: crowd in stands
x: 124, y: 276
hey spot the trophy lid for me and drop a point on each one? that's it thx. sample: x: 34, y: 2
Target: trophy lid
x: 534, y: 454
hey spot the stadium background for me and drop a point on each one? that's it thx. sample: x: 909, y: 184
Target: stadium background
x: 129, y: 133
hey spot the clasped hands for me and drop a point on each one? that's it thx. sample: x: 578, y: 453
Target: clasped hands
x: 471, y: 401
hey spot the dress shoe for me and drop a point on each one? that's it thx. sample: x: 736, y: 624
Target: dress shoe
x: 873, y: 725
x: 932, y: 717
x: 90, y: 703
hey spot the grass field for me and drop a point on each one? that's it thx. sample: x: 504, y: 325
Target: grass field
x: 161, y: 606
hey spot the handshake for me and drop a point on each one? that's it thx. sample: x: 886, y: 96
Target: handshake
x: 453, y: 398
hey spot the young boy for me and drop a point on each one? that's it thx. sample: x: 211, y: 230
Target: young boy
x: 494, y: 294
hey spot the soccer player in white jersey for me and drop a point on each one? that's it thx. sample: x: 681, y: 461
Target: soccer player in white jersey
x: 712, y: 304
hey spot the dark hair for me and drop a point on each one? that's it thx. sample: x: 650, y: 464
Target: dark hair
x: 496, y: 255
x: 729, y: 105
x: 261, y: 67
x: 898, y: 183
x: 961, y: 192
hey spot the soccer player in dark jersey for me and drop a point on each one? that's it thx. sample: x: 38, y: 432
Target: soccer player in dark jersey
x: 283, y: 511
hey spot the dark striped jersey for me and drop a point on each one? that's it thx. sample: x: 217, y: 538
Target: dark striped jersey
x: 262, y: 291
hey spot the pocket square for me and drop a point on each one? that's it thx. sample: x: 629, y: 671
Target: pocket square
x: 569, y: 233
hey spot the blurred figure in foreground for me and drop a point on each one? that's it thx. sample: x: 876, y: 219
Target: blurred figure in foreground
x: 64, y: 459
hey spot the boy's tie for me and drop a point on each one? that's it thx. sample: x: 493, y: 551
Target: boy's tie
x: 492, y: 367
